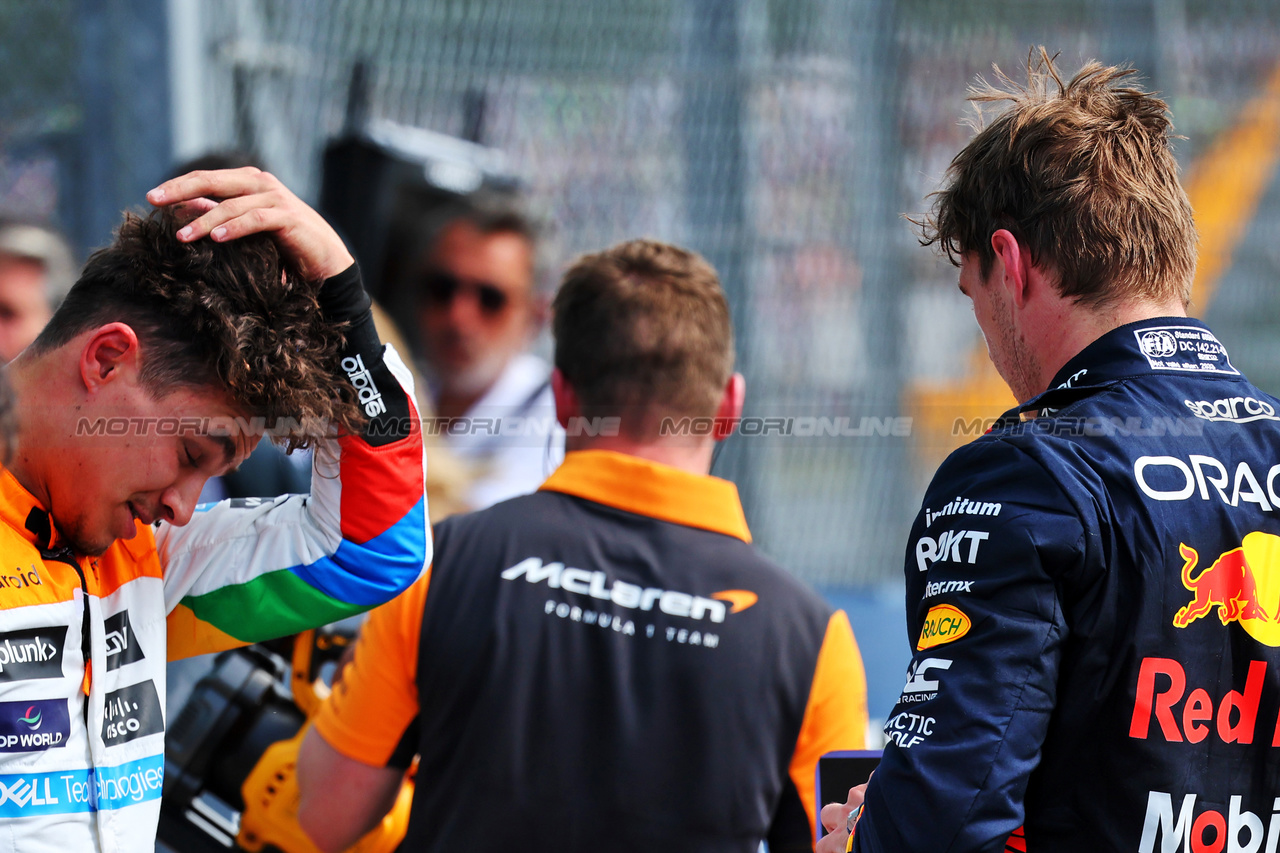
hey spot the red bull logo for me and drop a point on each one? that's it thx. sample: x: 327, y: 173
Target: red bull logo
x: 1243, y: 584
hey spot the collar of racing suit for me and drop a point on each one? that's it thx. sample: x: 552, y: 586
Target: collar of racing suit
x: 651, y: 489
x: 1141, y: 348
x: 21, y: 511
x: 1127, y: 351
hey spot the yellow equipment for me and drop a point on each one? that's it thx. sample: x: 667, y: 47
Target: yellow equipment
x: 270, y: 791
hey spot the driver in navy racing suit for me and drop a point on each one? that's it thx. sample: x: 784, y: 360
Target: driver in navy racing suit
x: 1093, y: 587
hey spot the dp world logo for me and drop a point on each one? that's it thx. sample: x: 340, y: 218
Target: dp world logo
x: 31, y: 719
x: 34, y: 726
x: 1158, y: 344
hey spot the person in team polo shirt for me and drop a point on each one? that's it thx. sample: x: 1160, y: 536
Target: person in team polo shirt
x: 607, y: 660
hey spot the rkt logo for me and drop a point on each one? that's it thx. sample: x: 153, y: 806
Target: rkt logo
x: 1243, y: 584
x: 1208, y: 832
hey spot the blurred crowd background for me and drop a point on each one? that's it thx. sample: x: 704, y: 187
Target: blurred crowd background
x: 783, y: 139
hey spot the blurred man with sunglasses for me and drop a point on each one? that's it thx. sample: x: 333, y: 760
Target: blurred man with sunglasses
x: 477, y: 311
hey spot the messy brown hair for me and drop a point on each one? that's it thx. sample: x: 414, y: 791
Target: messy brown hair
x: 234, y: 316
x: 1083, y: 174
x: 642, y: 331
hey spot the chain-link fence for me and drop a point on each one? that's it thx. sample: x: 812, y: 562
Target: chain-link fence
x: 781, y: 138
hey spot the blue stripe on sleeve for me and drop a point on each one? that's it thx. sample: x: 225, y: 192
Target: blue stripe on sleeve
x: 377, y: 571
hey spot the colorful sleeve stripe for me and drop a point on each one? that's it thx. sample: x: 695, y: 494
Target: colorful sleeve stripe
x: 271, y: 605
x: 371, y: 573
x: 379, y: 485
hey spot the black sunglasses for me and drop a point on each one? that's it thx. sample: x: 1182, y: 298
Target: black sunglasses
x: 440, y: 288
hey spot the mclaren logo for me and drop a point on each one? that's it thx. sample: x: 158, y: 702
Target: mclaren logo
x: 596, y: 584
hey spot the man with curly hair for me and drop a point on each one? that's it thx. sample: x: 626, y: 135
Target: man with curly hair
x: 1091, y: 585
x: 232, y: 310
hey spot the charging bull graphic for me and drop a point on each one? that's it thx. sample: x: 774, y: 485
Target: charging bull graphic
x: 1243, y: 584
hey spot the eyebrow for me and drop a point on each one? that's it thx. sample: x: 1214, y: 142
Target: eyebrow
x: 228, y: 449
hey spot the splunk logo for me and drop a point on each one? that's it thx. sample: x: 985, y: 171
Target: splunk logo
x: 629, y: 595
x: 1239, y: 831
x: 32, y: 653
x: 34, y: 725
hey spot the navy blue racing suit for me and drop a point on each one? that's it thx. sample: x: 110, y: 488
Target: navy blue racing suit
x: 1093, y: 596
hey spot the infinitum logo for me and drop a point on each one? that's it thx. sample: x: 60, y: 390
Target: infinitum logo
x: 632, y: 596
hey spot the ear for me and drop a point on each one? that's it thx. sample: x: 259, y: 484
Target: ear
x: 567, y: 405
x: 108, y: 353
x: 1016, y: 261
x: 729, y: 411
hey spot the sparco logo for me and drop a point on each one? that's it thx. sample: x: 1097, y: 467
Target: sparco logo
x: 33, y: 653
x: 366, y: 388
x: 132, y: 712
x: 1239, y: 831
x: 631, y: 596
x: 122, y: 645
x: 1236, y: 410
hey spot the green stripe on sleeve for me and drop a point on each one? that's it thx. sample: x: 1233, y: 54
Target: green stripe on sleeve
x: 269, y: 606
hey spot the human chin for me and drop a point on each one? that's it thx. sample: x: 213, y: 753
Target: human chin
x: 476, y: 377
x: 88, y: 538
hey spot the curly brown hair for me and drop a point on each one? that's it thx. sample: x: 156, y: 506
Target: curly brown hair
x: 234, y: 316
x: 1083, y: 174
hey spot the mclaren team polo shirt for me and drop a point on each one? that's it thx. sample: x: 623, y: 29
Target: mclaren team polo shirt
x: 608, y: 664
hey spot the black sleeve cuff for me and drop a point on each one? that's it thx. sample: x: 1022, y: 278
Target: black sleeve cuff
x: 343, y: 300
x: 380, y: 396
x: 342, y: 297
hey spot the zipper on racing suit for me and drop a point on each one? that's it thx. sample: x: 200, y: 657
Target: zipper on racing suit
x: 38, y: 523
